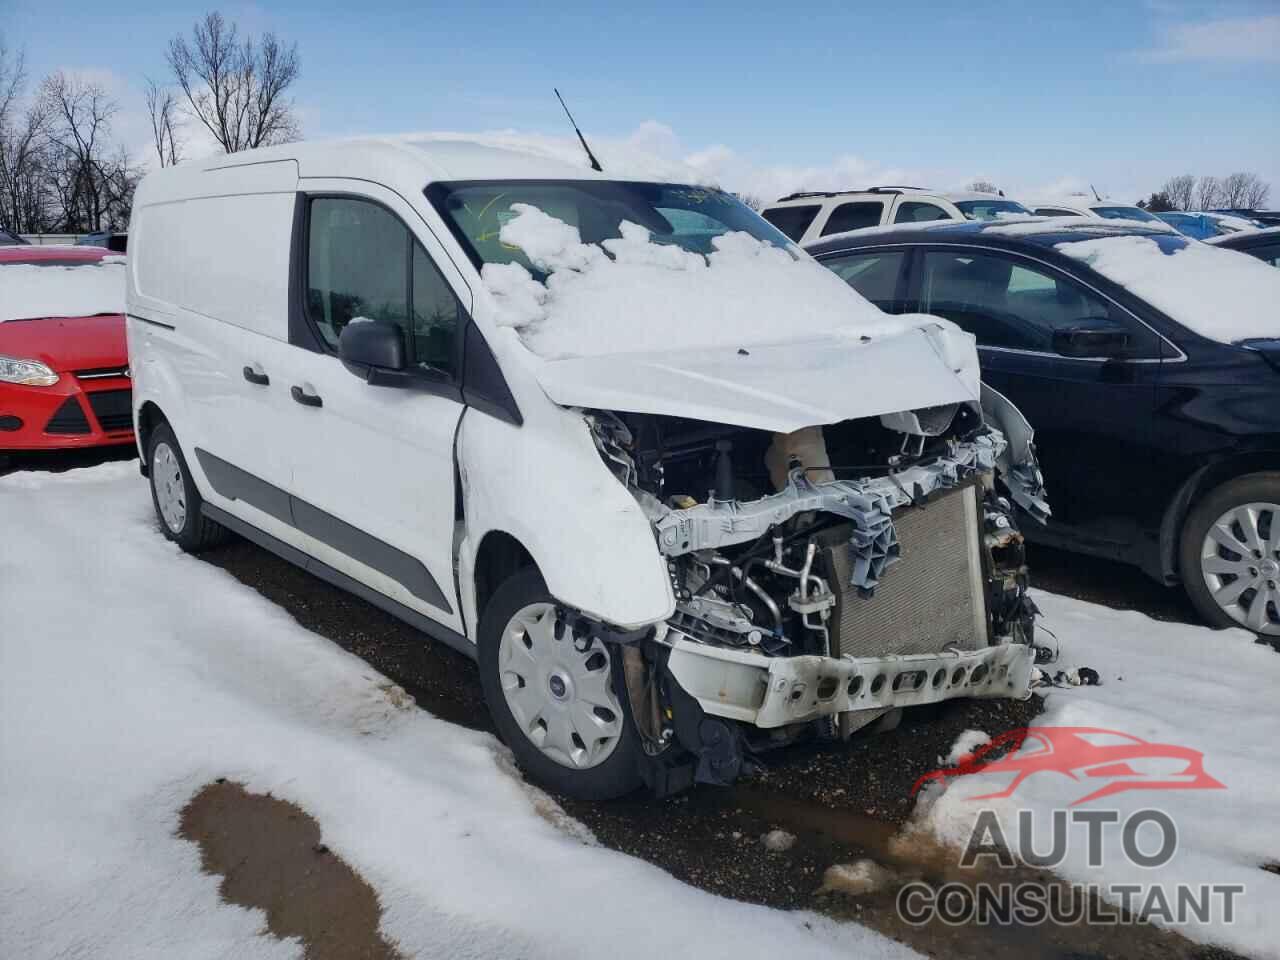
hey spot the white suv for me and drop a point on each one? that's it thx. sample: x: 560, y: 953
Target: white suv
x: 679, y: 490
x: 805, y: 217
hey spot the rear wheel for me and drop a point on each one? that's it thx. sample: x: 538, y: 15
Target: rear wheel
x: 1230, y: 555
x: 174, y: 494
x: 553, y: 695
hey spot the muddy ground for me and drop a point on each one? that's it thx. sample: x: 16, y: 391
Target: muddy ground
x: 842, y: 803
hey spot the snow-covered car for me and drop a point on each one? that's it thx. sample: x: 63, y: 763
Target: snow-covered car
x: 680, y: 491
x: 1140, y: 354
x: 1205, y: 226
x: 806, y: 217
x: 1096, y: 209
x: 1263, y: 244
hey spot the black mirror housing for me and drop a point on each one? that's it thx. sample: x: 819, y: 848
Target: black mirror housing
x: 1092, y: 338
x: 366, y: 346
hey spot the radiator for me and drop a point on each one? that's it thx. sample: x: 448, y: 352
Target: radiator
x: 933, y: 597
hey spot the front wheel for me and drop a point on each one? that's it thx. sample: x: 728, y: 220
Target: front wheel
x: 1230, y: 555
x: 553, y: 695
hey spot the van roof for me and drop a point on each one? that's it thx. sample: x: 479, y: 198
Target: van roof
x: 406, y: 163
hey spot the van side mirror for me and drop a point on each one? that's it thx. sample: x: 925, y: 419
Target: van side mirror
x: 367, y: 347
x: 1094, y: 337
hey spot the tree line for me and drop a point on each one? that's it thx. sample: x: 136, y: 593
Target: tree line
x: 1237, y: 191
x: 62, y: 166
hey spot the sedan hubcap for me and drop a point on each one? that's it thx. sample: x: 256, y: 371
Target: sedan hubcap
x: 171, y: 495
x: 559, y: 688
x: 1240, y: 561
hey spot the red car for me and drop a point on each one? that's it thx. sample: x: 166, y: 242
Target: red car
x: 1087, y: 755
x: 64, y: 363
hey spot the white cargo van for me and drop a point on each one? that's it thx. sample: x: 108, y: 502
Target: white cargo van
x: 679, y: 490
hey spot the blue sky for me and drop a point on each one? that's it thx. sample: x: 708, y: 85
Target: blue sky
x: 1121, y: 94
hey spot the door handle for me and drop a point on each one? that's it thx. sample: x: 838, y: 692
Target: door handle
x: 253, y: 376
x: 306, y: 399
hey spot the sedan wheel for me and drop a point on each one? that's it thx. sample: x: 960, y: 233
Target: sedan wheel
x: 1240, y: 564
x: 558, y: 687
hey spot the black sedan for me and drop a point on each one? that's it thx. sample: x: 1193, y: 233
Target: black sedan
x: 1263, y: 244
x: 1149, y: 366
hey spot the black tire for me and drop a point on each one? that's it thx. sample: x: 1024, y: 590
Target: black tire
x: 196, y: 531
x: 1251, y: 488
x: 617, y: 775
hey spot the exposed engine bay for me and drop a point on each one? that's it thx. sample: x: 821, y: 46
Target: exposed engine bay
x: 823, y: 578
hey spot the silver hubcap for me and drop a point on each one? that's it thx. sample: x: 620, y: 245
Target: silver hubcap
x: 171, y: 495
x: 560, y: 691
x: 1240, y: 561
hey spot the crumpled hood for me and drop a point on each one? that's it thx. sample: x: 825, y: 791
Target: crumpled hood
x: 781, y: 386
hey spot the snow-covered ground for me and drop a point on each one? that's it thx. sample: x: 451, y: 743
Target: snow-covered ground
x: 131, y: 675
x: 1212, y: 691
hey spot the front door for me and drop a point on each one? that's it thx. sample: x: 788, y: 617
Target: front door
x: 373, y: 473
x: 1093, y: 418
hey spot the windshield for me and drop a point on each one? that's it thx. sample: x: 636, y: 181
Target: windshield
x: 989, y: 209
x: 682, y: 216
x: 1123, y: 213
x: 61, y: 288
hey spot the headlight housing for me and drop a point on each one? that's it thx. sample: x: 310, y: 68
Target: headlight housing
x: 31, y: 373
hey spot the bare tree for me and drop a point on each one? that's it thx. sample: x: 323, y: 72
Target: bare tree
x: 162, y: 106
x: 1240, y: 189
x: 22, y: 148
x: 1180, y: 191
x: 1208, y: 193
x: 983, y: 186
x: 752, y: 200
x: 93, y: 181
x: 236, y: 87
x: 1255, y: 197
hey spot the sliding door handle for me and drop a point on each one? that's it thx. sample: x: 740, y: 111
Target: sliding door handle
x: 255, y: 376
x: 306, y: 399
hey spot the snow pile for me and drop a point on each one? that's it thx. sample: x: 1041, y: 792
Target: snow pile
x: 1188, y: 686
x: 1032, y: 225
x: 133, y: 675
x: 966, y: 743
x: 29, y: 290
x: 642, y: 296
x: 1220, y: 294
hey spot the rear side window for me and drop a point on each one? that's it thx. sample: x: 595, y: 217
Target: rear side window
x: 1055, y: 212
x: 874, y: 275
x: 364, y: 265
x: 853, y: 216
x: 792, y: 221
x: 913, y: 211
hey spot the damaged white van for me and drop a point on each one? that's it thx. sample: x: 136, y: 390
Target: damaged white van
x: 680, y: 491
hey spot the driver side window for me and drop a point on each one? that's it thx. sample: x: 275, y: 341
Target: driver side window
x: 363, y: 264
x: 1010, y: 303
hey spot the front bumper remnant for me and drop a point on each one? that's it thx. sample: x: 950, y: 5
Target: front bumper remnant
x: 771, y: 692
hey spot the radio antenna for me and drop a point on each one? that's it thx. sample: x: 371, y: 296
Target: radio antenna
x: 1095, y: 193
x: 595, y: 164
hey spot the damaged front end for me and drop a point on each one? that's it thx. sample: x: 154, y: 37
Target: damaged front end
x: 823, y: 578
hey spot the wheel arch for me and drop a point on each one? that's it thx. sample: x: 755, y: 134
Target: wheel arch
x: 150, y: 416
x: 498, y: 556
x: 1196, y: 487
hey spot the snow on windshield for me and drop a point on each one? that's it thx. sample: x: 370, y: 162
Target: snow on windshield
x: 30, y: 290
x: 631, y: 294
x: 1220, y: 294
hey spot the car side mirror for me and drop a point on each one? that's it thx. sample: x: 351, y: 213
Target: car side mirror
x: 370, y: 349
x: 1092, y: 338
